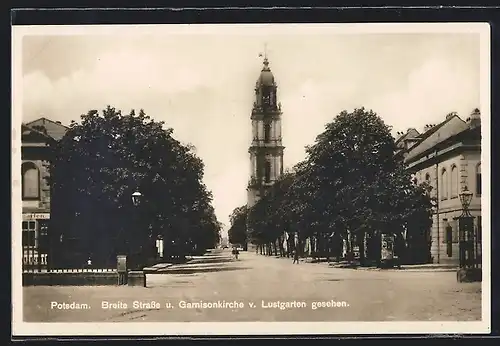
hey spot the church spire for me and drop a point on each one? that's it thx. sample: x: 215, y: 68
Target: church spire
x: 266, y: 149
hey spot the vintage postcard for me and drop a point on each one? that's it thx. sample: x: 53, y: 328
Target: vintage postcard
x: 251, y: 179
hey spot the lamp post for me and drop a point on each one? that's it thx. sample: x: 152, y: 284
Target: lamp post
x: 136, y: 201
x: 469, y: 268
x: 121, y: 259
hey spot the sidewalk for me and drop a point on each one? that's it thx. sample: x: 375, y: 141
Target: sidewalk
x: 430, y: 267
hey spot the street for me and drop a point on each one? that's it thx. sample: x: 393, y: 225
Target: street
x: 218, y: 288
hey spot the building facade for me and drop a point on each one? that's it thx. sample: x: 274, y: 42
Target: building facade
x: 448, y: 157
x: 266, y: 149
x: 36, y: 140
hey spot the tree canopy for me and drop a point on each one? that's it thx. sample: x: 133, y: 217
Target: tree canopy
x: 237, y: 233
x: 97, y: 166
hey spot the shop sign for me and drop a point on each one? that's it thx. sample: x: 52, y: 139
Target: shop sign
x: 36, y: 216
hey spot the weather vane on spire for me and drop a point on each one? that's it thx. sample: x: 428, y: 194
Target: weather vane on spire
x: 265, y: 53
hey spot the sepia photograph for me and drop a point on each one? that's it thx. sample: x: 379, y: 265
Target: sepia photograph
x: 251, y: 179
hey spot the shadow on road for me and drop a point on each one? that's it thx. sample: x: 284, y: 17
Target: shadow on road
x: 212, y: 260
x: 200, y: 270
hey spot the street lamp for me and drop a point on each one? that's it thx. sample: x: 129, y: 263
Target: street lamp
x: 136, y: 198
x: 469, y: 266
x: 136, y: 201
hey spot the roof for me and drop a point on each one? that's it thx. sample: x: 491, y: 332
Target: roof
x: 29, y: 131
x: 54, y: 129
x: 450, y: 127
x: 411, y: 131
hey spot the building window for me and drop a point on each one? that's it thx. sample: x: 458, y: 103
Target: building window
x: 478, y: 180
x: 266, y: 98
x: 29, y: 233
x: 428, y: 178
x: 267, y: 171
x: 30, y: 176
x: 267, y: 133
x: 444, y: 184
x: 449, y: 240
x: 454, y: 181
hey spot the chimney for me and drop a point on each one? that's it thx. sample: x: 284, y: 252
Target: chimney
x: 475, y: 119
x: 58, y: 122
x: 450, y: 115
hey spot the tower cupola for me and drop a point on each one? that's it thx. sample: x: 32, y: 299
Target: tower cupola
x: 266, y: 77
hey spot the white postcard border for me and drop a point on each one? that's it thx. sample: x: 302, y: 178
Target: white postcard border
x: 21, y: 328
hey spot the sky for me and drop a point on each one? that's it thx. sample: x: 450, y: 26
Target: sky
x: 201, y: 84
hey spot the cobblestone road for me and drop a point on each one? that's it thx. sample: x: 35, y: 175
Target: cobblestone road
x: 267, y: 283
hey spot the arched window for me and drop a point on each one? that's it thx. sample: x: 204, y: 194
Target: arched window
x: 30, y: 176
x: 267, y: 171
x: 428, y: 178
x: 444, y: 184
x: 478, y: 179
x: 267, y: 132
x: 266, y: 97
x: 454, y: 181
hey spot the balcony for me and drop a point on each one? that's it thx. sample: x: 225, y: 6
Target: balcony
x: 254, y: 182
x: 267, y: 144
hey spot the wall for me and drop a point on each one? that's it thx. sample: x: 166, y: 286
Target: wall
x: 450, y: 207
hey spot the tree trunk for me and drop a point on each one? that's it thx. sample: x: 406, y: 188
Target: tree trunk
x: 361, y: 243
x: 328, y: 247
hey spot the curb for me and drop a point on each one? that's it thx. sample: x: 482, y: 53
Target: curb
x: 403, y: 270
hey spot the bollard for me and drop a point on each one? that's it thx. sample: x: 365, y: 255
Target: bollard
x: 121, y: 267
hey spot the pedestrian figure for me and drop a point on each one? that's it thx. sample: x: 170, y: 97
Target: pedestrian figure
x: 295, y: 256
x: 237, y: 253
x: 233, y: 252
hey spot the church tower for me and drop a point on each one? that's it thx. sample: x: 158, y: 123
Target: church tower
x: 266, y: 149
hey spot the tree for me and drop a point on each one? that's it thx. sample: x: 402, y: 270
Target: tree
x: 271, y: 217
x: 360, y: 186
x: 350, y: 186
x: 97, y: 166
x: 237, y: 233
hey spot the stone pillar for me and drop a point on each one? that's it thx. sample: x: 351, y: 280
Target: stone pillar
x: 278, y: 165
x: 273, y: 166
x: 254, y: 165
x: 260, y: 129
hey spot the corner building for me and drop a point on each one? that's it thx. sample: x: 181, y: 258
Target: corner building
x: 266, y: 149
x: 448, y: 157
x: 37, y: 137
